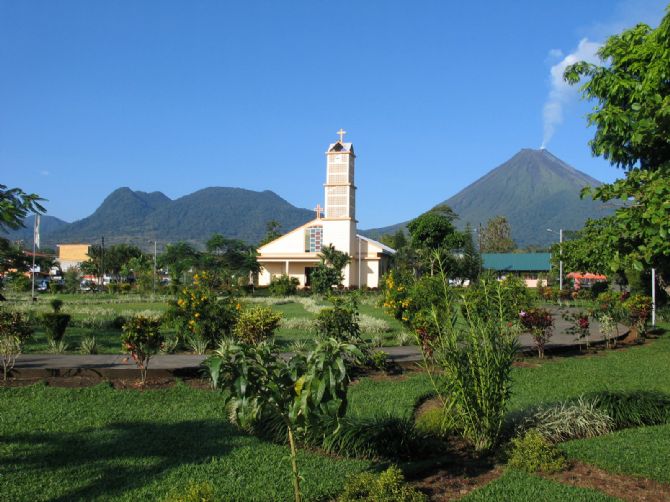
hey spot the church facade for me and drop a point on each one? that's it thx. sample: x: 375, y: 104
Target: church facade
x: 297, y: 253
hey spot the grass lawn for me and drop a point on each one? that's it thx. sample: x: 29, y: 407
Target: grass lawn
x: 99, y: 443
x: 93, y: 313
x: 643, y: 451
x: 519, y: 486
x: 69, y: 444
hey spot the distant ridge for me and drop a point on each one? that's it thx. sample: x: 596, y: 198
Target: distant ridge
x: 140, y: 218
x: 534, y: 190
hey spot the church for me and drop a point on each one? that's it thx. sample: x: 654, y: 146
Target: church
x: 296, y: 253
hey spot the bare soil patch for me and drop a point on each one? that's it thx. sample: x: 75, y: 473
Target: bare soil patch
x: 616, y: 485
x: 117, y: 383
x: 456, y: 481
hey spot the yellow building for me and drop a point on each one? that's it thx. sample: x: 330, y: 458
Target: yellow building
x: 72, y: 255
x: 297, y: 252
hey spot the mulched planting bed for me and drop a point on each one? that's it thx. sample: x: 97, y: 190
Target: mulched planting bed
x: 628, y: 488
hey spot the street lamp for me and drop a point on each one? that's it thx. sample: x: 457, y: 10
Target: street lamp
x: 560, y: 252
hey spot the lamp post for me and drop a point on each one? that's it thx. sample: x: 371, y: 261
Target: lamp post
x: 560, y: 252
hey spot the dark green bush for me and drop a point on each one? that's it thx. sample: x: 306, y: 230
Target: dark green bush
x: 55, y: 325
x: 283, y: 285
x: 388, y: 486
x: 633, y: 408
x: 598, y: 288
x: 341, y: 320
x: 257, y: 324
x: 379, y: 438
x: 533, y: 453
x: 118, y: 322
x: 56, y: 304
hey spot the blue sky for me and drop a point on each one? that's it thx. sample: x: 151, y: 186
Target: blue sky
x: 176, y: 96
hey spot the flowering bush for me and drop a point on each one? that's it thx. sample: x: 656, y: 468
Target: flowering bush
x: 638, y: 310
x: 201, y: 314
x: 539, y: 323
x: 142, y: 338
x: 579, y: 326
x: 397, y: 301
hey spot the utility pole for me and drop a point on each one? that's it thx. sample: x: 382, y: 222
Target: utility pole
x: 653, y: 297
x: 102, y: 262
x: 560, y: 252
x: 154, y: 268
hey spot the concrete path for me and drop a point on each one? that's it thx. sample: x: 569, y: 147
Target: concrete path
x: 118, y: 365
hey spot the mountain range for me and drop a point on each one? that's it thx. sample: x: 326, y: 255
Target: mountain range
x: 534, y: 190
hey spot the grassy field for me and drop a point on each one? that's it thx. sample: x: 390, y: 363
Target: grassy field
x: 100, y: 443
x: 98, y: 315
x: 103, y: 444
x: 519, y: 486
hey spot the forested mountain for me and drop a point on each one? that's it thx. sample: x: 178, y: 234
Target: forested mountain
x: 534, y: 190
x: 140, y: 218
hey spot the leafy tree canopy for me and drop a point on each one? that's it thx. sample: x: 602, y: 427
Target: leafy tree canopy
x: 496, y: 236
x: 433, y: 229
x: 632, y: 120
x: 15, y: 205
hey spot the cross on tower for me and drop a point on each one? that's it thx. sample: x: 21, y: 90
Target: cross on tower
x: 318, y: 210
x: 341, y: 133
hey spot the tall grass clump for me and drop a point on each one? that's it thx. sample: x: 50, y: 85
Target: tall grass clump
x: 473, y: 358
x: 573, y: 419
x: 633, y: 408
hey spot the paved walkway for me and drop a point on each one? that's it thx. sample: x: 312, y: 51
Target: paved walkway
x: 116, y: 365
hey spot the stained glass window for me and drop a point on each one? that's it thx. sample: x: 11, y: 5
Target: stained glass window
x: 313, y: 239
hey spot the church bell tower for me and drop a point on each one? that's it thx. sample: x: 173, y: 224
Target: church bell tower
x: 340, y: 191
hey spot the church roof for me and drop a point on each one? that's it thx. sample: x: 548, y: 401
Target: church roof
x: 341, y: 147
x: 384, y: 247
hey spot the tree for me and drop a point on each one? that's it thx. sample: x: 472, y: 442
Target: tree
x: 631, y: 117
x: 329, y: 272
x: 113, y: 258
x: 15, y: 205
x: 433, y: 229
x: 178, y: 257
x: 271, y: 232
x: 433, y: 235
x: 497, y: 236
x: 306, y: 393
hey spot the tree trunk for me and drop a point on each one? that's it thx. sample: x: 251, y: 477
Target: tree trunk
x: 294, y: 467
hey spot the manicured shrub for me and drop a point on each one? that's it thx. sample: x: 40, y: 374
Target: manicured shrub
x: 283, y: 285
x: 633, y: 408
x: 340, y: 321
x: 142, y: 338
x: 573, y: 419
x: 55, y: 323
x: 388, y: 486
x: 15, y: 330
x: 532, y: 452
x: 257, y: 324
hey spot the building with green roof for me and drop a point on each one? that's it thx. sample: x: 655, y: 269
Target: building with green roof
x: 528, y: 266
